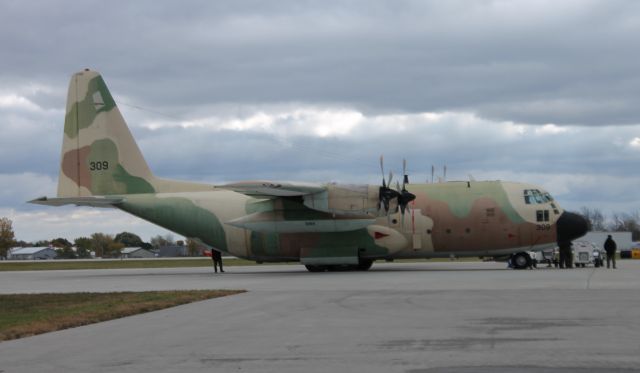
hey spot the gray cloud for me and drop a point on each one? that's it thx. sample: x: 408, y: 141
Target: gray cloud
x: 534, y: 62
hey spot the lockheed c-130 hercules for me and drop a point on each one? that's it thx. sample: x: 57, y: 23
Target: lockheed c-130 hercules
x: 323, y: 226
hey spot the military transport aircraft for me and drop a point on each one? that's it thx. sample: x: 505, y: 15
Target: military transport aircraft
x: 323, y: 226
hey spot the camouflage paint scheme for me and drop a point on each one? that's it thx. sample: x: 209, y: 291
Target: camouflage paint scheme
x: 102, y: 166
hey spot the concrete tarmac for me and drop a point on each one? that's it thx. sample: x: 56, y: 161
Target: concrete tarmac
x: 398, y: 317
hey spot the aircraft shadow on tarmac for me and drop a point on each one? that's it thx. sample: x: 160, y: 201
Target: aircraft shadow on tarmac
x: 295, y: 270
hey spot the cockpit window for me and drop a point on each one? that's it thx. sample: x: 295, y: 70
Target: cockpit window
x: 534, y: 196
x: 538, y: 198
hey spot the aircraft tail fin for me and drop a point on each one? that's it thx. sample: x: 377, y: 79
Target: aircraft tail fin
x: 99, y: 154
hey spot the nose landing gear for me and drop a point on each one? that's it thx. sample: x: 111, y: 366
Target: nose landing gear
x: 521, y: 260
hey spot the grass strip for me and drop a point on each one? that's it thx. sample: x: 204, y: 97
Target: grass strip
x: 23, y: 315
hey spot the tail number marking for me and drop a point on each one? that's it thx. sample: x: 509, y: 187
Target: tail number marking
x: 99, y: 166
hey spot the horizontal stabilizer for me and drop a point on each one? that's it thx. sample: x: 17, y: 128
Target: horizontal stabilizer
x: 79, y: 201
x: 273, y: 188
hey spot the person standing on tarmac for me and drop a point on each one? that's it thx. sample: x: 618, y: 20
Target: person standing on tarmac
x: 216, y: 256
x: 564, y: 249
x: 610, y: 247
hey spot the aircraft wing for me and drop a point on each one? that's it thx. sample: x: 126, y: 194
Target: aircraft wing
x: 270, y: 189
x: 351, y: 200
x: 79, y: 201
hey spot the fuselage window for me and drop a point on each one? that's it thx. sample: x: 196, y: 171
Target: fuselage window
x: 542, y: 215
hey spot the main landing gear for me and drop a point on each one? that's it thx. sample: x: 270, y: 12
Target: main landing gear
x: 363, y: 265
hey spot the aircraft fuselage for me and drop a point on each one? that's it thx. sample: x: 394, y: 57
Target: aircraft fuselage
x: 454, y: 218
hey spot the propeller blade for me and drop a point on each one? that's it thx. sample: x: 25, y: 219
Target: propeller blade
x: 384, y: 185
x: 390, y: 177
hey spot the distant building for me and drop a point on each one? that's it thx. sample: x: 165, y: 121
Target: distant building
x: 32, y: 253
x: 623, y: 239
x: 136, y: 252
x: 173, y: 251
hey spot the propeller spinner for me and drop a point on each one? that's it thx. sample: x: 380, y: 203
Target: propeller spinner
x: 386, y: 194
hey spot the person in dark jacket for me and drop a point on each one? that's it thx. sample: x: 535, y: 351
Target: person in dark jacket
x: 216, y: 256
x: 610, y: 247
x: 564, y: 249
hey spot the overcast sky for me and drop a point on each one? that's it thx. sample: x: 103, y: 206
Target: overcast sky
x: 545, y: 92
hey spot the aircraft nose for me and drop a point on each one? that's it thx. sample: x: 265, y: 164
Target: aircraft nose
x: 571, y: 226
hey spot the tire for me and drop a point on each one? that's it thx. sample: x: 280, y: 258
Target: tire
x: 521, y: 260
x: 364, y: 264
x: 312, y: 268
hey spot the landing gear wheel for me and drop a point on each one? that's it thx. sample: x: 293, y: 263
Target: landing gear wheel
x: 364, y: 264
x: 312, y: 268
x: 520, y: 260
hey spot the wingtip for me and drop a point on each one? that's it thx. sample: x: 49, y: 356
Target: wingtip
x: 38, y: 200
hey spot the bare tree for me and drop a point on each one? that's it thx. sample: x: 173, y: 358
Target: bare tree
x: 627, y: 222
x: 595, y: 217
x: 158, y: 241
